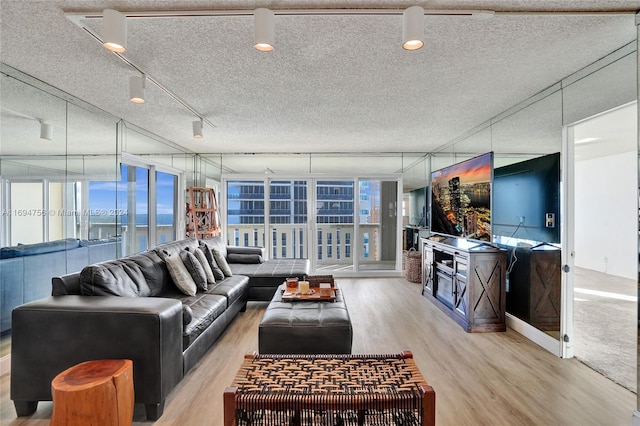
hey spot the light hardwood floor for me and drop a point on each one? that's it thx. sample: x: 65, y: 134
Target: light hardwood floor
x: 479, y: 379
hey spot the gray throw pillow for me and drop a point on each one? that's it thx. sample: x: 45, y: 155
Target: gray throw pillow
x: 180, y: 276
x: 222, y: 262
x: 208, y: 253
x: 195, y: 269
x: 205, y: 265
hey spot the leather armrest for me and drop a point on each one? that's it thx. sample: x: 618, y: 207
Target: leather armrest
x: 53, y: 334
x: 66, y: 284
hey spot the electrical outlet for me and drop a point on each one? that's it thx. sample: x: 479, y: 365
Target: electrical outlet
x: 550, y: 220
x: 606, y: 259
x: 521, y: 219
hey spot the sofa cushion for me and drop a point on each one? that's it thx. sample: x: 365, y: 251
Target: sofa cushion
x: 180, y: 275
x: 233, y: 288
x: 143, y: 274
x: 261, y: 251
x: 205, y: 308
x: 275, y: 268
x: 222, y: 262
x: 244, y: 258
x: 195, y: 269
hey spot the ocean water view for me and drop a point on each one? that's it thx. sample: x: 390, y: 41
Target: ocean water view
x: 141, y: 219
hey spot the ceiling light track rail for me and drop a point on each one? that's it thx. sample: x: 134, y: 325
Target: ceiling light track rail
x: 154, y: 81
x: 76, y: 17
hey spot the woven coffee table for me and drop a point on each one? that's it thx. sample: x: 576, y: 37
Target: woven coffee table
x: 354, y: 390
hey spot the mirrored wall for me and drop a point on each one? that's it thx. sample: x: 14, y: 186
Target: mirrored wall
x: 78, y: 186
x: 527, y: 142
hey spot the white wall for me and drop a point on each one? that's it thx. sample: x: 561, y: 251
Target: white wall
x: 606, y: 217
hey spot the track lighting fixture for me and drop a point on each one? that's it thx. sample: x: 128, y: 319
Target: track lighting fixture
x: 413, y: 28
x: 136, y: 88
x: 114, y: 33
x: 46, y: 131
x: 197, y: 129
x: 263, y: 29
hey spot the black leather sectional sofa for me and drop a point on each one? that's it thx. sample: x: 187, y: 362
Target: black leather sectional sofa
x: 129, y: 308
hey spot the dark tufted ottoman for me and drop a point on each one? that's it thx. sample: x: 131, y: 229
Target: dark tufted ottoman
x: 305, y: 327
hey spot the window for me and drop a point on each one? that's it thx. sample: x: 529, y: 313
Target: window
x: 122, y: 209
x: 166, y: 196
x: 275, y: 243
x: 284, y: 245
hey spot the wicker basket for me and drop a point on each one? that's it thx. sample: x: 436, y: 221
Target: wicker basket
x: 413, y: 266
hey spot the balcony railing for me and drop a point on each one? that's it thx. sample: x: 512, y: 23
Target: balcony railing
x: 335, y: 249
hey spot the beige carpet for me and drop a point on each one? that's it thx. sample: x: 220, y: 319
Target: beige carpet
x: 606, y: 327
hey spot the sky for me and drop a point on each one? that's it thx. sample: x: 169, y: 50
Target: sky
x: 102, y: 194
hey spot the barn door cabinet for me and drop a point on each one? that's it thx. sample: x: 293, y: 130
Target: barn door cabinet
x: 466, y: 280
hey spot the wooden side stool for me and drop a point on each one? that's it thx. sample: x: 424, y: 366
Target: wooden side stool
x: 94, y: 393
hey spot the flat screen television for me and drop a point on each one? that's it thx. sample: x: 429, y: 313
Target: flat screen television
x: 461, y: 198
x: 526, y: 200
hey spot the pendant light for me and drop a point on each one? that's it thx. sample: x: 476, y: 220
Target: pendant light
x: 413, y: 28
x: 114, y: 32
x: 264, y: 31
x: 136, y: 88
x: 46, y: 131
x: 197, y: 129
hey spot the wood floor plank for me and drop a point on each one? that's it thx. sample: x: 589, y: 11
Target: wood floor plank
x: 480, y: 379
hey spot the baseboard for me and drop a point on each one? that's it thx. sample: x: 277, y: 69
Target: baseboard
x: 539, y: 337
x: 5, y: 365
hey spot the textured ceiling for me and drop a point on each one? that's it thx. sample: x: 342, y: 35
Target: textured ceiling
x: 337, y: 83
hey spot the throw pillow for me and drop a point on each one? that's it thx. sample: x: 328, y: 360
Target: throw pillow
x: 222, y: 262
x: 217, y: 272
x: 180, y: 276
x: 205, y: 265
x: 195, y: 269
x: 244, y: 258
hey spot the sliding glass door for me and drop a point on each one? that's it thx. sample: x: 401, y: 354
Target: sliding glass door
x: 342, y: 225
x: 334, y: 230
x: 377, y: 224
x: 288, y: 229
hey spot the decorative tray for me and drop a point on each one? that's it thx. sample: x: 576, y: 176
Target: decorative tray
x: 313, y: 295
